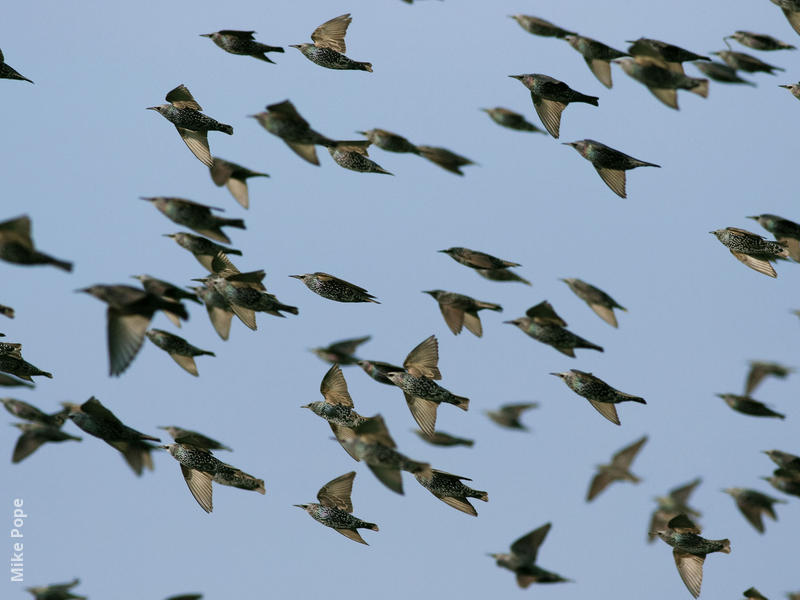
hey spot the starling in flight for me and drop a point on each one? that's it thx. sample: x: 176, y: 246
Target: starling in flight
x: 328, y: 48
x: 522, y: 559
x: 460, y: 311
x: 784, y: 230
x: 662, y: 82
x: 669, y: 55
x: 449, y: 489
x: 600, y: 302
x: 670, y: 506
x: 16, y: 245
x: 242, y: 42
x: 197, y: 217
x: 550, y: 97
x: 333, y: 288
x: 753, y: 505
x: 193, y: 438
x: 610, y: 164
x: 341, y: 352
x: 597, y: 55
x: 617, y: 470
x: 538, y: 26
x: 449, y: 161
x: 600, y: 395
x: 721, y: 72
x: 752, y: 249
x: 759, y: 370
x: 748, y: 406
x: 544, y: 325
x: 204, y: 250
x: 759, y: 41
x: 510, y: 119
x: 746, y: 62
x: 508, y: 415
x: 234, y: 177
x: 181, y: 351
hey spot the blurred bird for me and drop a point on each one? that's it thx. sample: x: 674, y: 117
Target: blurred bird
x: 6, y: 311
x: 662, y: 82
x: 753, y: 594
x: 759, y: 41
x: 193, y: 438
x: 610, y: 164
x: 746, y: 62
x: 234, y: 177
x: 219, y: 309
x: 508, y: 415
x: 391, y: 142
x: 449, y: 489
x: 721, y: 72
x: 617, y: 470
x: 501, y: 275
x: 784, y: 230
x: 197, y: 217
x: 242, y: 42
x: 34, y: 435
x: 164, y: 289
x: 233, y: 477
x: 56, y: 591
x: 460, y: 311
x: 341, y: 352
x: 192, y: 125
x: 787, y: 462
x: 690, y: 550
x: 522, y: 559
x: 669, y: 55
x: 544, y: 325
x: 759, y: 370
x: 538, y: 26
x: 748, y: 406
x: 16, y: 246
x: 793, y: 88
x: 550, y: 98
x: 601, y: 303
x: 328, y: 48
x: 335, y: 508
x: 18, y: 367
x: 510, y: 119
x: 333, y: 288
x: 785, y: 481
x: 670, y: 506
x: 203, y: 250
x: 8, y: 381
x: 597, y: 55
x: 354, y: 158
x: 181, y: 351
x: 478, y: 260
x: 7, y: 72
x: 378, y: 370
x: 600, y: 395
x: 752, y: 249
x: 449, y: 161
x: 28, y: 412
x: 753, y: 504
x: 791, y: 10
x: 440, y: 438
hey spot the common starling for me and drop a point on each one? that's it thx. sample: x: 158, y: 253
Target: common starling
x: 333, y: 288
x: 597, y: 55
x: 335, y: 508
x: 671, y: 56
x: 753, y: 505
x: 391, y: 142
x: 501, y: 275
x: 203, y: 250
x: 600, y: 395
x: 617, y: 470
x: 34, y: 435
x: 670, y: 506
x: 522, y: 559
x: 544, y: 325
x: 510, y: 119
x: 721, y: 72
x: 784, y: 230
x: 785, y: 481
x: 449, y: 161
x: 7, y: 72
x: 690, y: 550
x: 610, y: 164
x: 746, y: 62
x: 354, y: 158
x: 28, y: 412
x: 165, y: 289
x: 378, y: 370
x: 181, y: 351
x: 56, y: 591
x: 21, y: 368
x: 95, y: 419
x: 662, y: 82
x: 753, y: 594
x: 786, y: 461
x: 793, y: 88
x: 192, y: 125
x: 129, y: 313
x: 16, y: 245
x: 508, y: 415
x: 328, y: 48
x: 234, y: 177
x: 538, y: 26
x: 550, y: 97
x: 341, y: 352
x: 449, y: 489
x: 601, y: 303
x: 6, y: 311
x: 752, y: 249
x: 195, y: 216
x: 478, y: 260
x: 759, y: 370
x: 440, y: 438
x: 231, y: 476
x: 8, y: 381
x: 791, y: 10
x: 219, y: 310
x: 748, y: 406
x: 242, y: 42
x: 423, y: 395
x: 460, y: 311
x: 759, y: 41
x: 193, y: 438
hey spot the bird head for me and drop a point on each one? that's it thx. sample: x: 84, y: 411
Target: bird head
x: 560, y: 375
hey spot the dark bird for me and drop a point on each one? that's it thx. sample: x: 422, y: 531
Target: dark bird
x: 28, y: 412
x: 501, y: 275
x: 333, y: 288
x: 378, y: 370
x: 538, y: 26
x: 522, y: 559
x: 670, y: 506
x: 550, y: 98
x: 192, y: 125
x: 544, y: 325
x: 341, y: 352
x: 6, y: 311
x: 508, y: 415
x: 21, y: 368
x: 440, y: 438
x: 449, y: 489
x: 193, y: 438
x: 8, y: 381
x: 34, y: 435
x: 510, y: 119
x: 759, y: 370
x: 610, y: 164
x: 617, y: 470
x: 670, y: 55
x: 165, y: 289
x: 784, y: 230
x: 721, y: 72
x: 16, y: 246
x: 753, y: 594
x: 784, y: 460
x: 449, y: 161
x: 785, y: 481
x: 234, y: 177
x: 56, y: 591
x: 601, y: 303
x: 95, y: 419
x: 597, y: 55
x: 10, y: 349
x: 746, y: 62
x: 7, y: 72
x: 662, y: 82
x: 752, y: 249
x: 391, y: 142
x: 478, y: 260
x: 759, y: 41
x: 793, y: 88
x: 690, y: 550
x: 219, y: 309
x: 753, y: 505
x: 181, y: 351
x: 354, y: 158
x: 791, y: 10
x: 748, y: 406
x: 197, y: 217
x: 600, y: 395
x: 460, y: 311
x: 203, y: 250
x: 335, y: 507
x: 328, y: 48
x: 233, y: 477
x: 242, y: 42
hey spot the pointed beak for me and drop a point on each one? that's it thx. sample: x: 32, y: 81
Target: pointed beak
x: 201, y: 279
x: 361, y: 132
x: 152, y: 108
x: 754, y: 218
x: 294, y: 46
x: 169, y: 235
x: 788, y: 87
x: 296, y: 276
x: 510, y: 322
x: 208, y: 35
x: 558, y: 374
x: 516, y: 77
x: 303, y: 506
x: 568, y: 144
x: 306, y: 406
x: 146, y: 198
x: 163, y: 446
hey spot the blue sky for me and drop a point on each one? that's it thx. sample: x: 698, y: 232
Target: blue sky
x: 79, y: 148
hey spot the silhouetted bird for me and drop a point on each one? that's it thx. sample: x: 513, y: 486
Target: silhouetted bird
x: 449, y: 489
x: 785, y: 481
x: 6, y: 311
x: 391, y: 142
x: 721, y: 72
x: 460, y: 311
x: 753, y: 594
x: 335, y: 508
x: 662, y: 82
x: 617, y: 470
x: 192, y: 125
x: 670, y: 506
x: 328, y: 48
x: 508, y: 415
x: 786, y: 461
x: 193, y: 438
x: 784, y: 230
x: 759, y: 370
x: 671, y: 56
x: 449, y: 161
x: 753, y: 505
x: 759, y: 41
x: 522, y: 559
x: 544, y: 325
x: 341, y: 352
x: 203, y: 250
x: 748, y: 406
x: 752, y: 249
x: 600, y: 395
x: 550, y: 97
x: 16, y: 245
x: 690, y: 550
x: 597, y: 55
x: 333, y: 288
x: 793, y: 88
x: 746, y: 62
x: 219, y: 309
x: 538, y: 26
x: 610, y: 164
x: 21, y: 368
x: 56, y: 591
x: 478, y: 260
x: 197, y: 217
x: 34, y: 435
x: 165, y: 289
x: 242, y: 42
x: 355, y: 158
x: 234, y: 177
x: 181, y: 351
x: 7, y: 72
x: 791, y: 10
x: 378, y: 370
x: 510, y: 119
x: 601, y: 303
x: 440, y: 438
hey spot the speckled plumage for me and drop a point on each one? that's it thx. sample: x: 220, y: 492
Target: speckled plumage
x: 21, y: 368
x: 610, y: 164
x: 243, y: 43
x: 553, y: 335
x: 751, y: 249
x: 670, y: 506
x: 600, y: 395
x: 328, y: 47
x: 333, y: 288
x: 355, y: 159
x: 784, y: 230
x: 450, y: 490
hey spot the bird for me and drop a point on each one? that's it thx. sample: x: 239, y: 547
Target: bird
x: 449, y: 489
x: 617, y: 470
x: 335, y: 508
x: 721, y: 72
x: 354, y: 158
x: 21, y: 368
x: 440, y: 438
x: 28, y: 412
x: 791, y: 10
x: 6, y: 311
x: 784, y: 230
x: 670, y: 506
x: 597, y: 55
x: 391, y: 142
x: 56, y: 591
x: 328, y: 46
x: 16, y: 246
x: 793, y: 88
x: 478, y: 260
x: 510, y: 119
x: 601, y: 303
x: 197, y: 217
x: 378, y: 370
x: 193, y: 438
x: 460, y: 311
x: 662, y: 81
x: 786, y: 461
x: 748, y: 406
x: 9, y: 381
x: 753, y: 594
x: 753, y: 505
x: 759, y: 41
x: 129, y: 313
x: 335, y: 289
x: 786, y: 481
x: 550, y: 97
x: 193, y: 126
x: 670, y: 55
x: 761, y: 369
x: 233, y: 477
x: 543, y: 324
x: 752, y: 249
x: 218, y: 308
x: 7, y: 72
x: 341, y: 352
x: 165, y: 289
x: 202, y: 249
x: 501, y: 275
x: 508, y: 415
x: 538, y: 26
x: 234, y: 177
x: 448, y: 160
x: 242, y: 42
x: 610, y: 164
x: 522, y: 559
x: 600, y: 395
x: 34, y: 435
x: 181, y: 351
x: 746, y: 62
x: 690, y: 550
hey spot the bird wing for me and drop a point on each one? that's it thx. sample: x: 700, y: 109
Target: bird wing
x: 614, y: 178
x: 422, y: 361
x: 125, y: 337
x: 690, y: 568
x: 605, y: 313
x: 391, y: 477
x: 221, y: 320
x: 624, y: 457
x: 26, y: 445
x: 334, y: 388
x: 17, y: 230
x: 352, y: 534
x: 288, y: 109
x: 666, y: 95
x: 599, y: 482
x: 792, y: 245
x: 524, y: 580
x: 607, y: 409
x: 349, y: 346
x: 305, y: 151
x: 180, y: 97
x: 200, y: 485
x: 459, y: 503
x: 336, y: 493
x: 342, y: 434
x: 238, y: 189
x: 752, y: 513
x: 220, y: 170
x: 473, y: 323
x: 601, y: 70
x: 214, y: 232
x: 424, y: 413
x: 186, y: 362
x: 514, y: 411
x: 454, y: 317
x: 758, y: 264
x: 197, y: 141
x: 375, y: 430
x: 246, y: 315
x: 681, y: 494
x: 658, y: 522
x: 549, y: 112
x: 683, y: 524
x: 331, y: 33
x: 793, y: 17
x: 526, y: 547
x: 545, y: 314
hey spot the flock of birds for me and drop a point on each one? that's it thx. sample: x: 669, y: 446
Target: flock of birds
x: 227, y: 292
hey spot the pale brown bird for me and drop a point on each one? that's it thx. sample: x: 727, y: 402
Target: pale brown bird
x: 617, y: 470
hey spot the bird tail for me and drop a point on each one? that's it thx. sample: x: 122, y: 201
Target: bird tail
x: 479, y: 495
x: 43, y: 373
x: 490, y: 306
x: 289, y: 309
x: 365, y: 66
x: 233, y: 251
x: 593, y: 100
x: 225, y: 128
x: 61, y: 264
x: 234, y: 223
x: 726, y: 546
x: 701, y: 89
x: 635, y: 399
x: 207, y: 353
x: 274, y: 49
x: 461, y: 402
x: 371, y: 526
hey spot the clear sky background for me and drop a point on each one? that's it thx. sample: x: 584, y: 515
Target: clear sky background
x: 78, y: 149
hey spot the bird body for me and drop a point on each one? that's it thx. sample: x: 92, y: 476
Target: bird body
x: 341, y: 352
x: 550, y: 97
x: 662, y: 81
x: 600, y: 395
x: 753, y: 505
x: 670, y: 506
x: 748, y: 406
x: 333, y: 288
x: 721, y: 72
x: 784, y: 230
x: 450, y: 490
x: 597, y: 55
x: 391, y: 142
x: 21, y: 368
x: 522, y: 559
x: 234, y: 177
x: 460, y: 311
x: 181, y: 351
x: 202, y: 249
x: 354, y: 158
x: 197, y: 217
x: 508, y: 415
x: 610, y: 164
x: 759, y: 41
x: 617, y: 470
x: 478, y: 260
x: 446, y: 159
x: 541, y: 27
x: 243, y: 43
x: 746, y: 62
x: 751, y: 249
x: 553, y: 335
x: 672, y: 56
x: 601, y: 303
x: 16, y: 244
x: 440, y: 438
x: 510, y: 119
